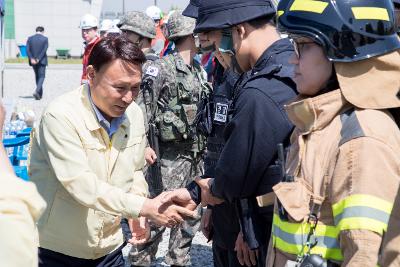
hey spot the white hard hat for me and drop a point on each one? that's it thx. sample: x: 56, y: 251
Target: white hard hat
x: 116, y: 22
x: 153, y: 12
x: 106, y: 24
x: 114, y: 29
x: 88, y: 21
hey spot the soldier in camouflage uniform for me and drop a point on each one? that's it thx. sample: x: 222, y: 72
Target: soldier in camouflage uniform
x: 140, y: 29
x: 177, y: 83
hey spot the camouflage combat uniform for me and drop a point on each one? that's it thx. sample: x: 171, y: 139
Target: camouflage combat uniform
x: 177, y: 88
x: 144, y: 26
x: 141, y: 24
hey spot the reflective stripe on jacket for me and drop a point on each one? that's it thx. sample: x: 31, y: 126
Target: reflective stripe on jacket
x: 354, y: 212
x: 347, y: 158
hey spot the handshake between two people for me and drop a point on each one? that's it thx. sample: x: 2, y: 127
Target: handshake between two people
x: 171, y: 208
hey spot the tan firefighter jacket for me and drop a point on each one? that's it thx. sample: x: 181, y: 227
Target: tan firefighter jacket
x: 345, y: 158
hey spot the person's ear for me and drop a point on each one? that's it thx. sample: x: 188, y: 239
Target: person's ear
x: 91, y: 72
x: 241, y: 31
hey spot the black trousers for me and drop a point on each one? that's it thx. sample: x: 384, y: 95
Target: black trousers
x: 40, y: 74
x: 49, y: 258
x: 227, y: 258
x: 224, y: 257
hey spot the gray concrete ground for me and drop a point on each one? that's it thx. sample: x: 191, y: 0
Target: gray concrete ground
x: 19, y: 84
x: 201, y: 254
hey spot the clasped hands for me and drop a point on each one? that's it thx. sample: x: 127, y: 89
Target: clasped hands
x: 158, y: 211
x: 169, y: 209
x: 33, y: 61
x: 182, y: 198
x: 172, y: 207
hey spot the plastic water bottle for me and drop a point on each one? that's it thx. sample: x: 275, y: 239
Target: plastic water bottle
x: 13, y: 129
x: 6, y: 130
x: 20, y: 125
x: 6, y: 135
x: 25, y: 148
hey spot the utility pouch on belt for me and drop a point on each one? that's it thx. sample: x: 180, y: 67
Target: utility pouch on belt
x: 295, y: 197
x: 172, y: 128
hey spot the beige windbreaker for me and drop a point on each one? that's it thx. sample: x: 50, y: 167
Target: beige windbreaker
x: 20, y: 208
x: 345, y: 158
x: 87, y: 180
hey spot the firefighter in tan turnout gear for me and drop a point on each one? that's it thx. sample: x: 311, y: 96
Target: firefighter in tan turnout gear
x: 342, y: 171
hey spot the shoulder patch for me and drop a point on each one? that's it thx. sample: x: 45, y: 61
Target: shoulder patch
x: 152, y: 71
x: 221, y: 112
x: 351, y: 127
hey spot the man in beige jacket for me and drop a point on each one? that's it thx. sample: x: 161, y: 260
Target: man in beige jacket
x: 86, y: 159
x: 20, y: 208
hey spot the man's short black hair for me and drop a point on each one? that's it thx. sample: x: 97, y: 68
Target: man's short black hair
x: 39, y: 29
x: 262, y: 21
x: 110, y: 48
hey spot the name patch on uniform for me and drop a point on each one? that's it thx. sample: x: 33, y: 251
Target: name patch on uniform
x: 221, y: 112
x: 152, y: 71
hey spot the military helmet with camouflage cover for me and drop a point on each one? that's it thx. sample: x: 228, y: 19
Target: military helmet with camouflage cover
x: 179, y: 26
x: 139, y: 23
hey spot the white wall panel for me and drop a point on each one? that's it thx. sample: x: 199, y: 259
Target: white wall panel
x: 60, y: 18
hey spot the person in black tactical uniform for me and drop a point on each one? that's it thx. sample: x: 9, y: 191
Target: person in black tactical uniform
x: 213, y: 118
x: 246, y: 169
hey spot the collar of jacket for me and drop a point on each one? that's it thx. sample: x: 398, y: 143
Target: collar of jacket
x: 315, y: 113
x: 181, y: 65
x: 269, y: 57
x: 110, y: 127
x: 373, y: 83
x: 92, y: 43
x: 149, y: 51
x: 90, y: 118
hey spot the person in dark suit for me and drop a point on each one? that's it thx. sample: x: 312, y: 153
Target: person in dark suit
x: 36, y: 47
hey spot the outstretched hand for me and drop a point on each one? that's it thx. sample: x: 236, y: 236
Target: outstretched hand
x: 165, y: 213
x: 206, y: 197
x: 180, y: 197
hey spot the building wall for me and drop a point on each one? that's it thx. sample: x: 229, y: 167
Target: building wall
x: 60, y: 18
